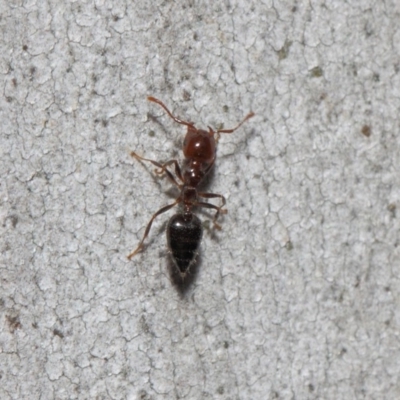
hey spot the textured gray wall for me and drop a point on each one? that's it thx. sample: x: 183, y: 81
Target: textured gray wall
x: 298, y: 297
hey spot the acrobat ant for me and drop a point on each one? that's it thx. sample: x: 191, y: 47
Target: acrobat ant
x: 184, y: 230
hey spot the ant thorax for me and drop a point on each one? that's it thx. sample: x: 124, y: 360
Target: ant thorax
x: 194, y: 171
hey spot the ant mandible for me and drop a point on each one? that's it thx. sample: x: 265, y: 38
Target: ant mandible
x: 184, y: 230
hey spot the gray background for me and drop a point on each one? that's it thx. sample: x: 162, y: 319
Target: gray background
x: 298, y: 297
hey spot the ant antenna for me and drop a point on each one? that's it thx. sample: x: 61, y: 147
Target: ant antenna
x: 217, y: 133
x: 179, y: 121
x: 248, y: 116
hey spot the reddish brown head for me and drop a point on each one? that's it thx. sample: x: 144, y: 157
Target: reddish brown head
x: 199, y: 145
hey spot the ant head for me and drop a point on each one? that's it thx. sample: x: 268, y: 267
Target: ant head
x: 199, y: 145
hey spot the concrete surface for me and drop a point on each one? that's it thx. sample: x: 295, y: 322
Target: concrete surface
x: 298, y: 297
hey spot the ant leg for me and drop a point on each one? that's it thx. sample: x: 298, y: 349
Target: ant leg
x: 163, y: 168
x: 214, y: 196
x: 248, y: 116
x: 160, y: 211
x: 178, y: 171
x: 179, y: 121
x: 220, y: 209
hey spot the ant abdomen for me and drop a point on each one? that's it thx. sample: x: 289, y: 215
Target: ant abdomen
x: 184, y: 233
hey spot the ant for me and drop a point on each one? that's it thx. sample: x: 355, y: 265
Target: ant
x: 184, y: 230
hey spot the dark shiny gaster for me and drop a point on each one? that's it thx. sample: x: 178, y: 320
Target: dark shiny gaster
x: 184, y: 235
